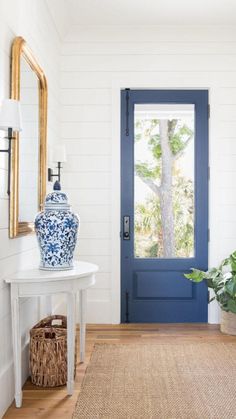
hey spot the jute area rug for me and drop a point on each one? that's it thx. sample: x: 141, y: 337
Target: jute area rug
x: 166, y: 381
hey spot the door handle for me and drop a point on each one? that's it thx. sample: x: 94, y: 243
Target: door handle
x: 126, y: 227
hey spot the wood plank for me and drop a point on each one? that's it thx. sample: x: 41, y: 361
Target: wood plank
x: 150, y: 33
x: 84, y: 113
x: 71, y: 95
x: 133, y: 63
x: 74, y: 130
x: 148, y: 48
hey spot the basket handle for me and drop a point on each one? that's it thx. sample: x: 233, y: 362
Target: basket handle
x: 47, y: 321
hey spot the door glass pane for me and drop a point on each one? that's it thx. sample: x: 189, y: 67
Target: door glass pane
x: 164, y: 181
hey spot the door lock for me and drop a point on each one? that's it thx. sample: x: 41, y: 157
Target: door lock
x: 126, y: 227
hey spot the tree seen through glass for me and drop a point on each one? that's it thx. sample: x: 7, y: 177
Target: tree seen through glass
x: 164, y: 181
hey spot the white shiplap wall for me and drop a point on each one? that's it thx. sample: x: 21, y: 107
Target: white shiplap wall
x: 96, y: 62
x: 30, y: 19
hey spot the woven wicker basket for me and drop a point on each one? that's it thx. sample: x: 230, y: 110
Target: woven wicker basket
x: 228, y: 323
x: 48, y: 352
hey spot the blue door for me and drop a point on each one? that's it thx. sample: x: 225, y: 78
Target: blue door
x: 164, y: 204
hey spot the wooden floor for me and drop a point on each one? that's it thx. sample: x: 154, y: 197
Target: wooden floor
x: 47, y: 404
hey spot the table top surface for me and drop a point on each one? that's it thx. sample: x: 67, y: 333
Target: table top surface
x: 80, y: 269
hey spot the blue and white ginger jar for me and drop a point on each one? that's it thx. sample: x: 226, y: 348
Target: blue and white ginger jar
x: 56, y: 229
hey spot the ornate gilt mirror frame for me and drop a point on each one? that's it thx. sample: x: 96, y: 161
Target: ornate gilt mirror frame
x: 21, y: 49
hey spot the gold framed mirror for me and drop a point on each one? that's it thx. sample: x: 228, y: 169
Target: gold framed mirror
x: 28, y: 162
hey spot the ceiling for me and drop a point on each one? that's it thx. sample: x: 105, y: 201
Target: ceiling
x: 139, y: 12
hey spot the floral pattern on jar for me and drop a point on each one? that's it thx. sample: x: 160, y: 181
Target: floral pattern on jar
x: 56, y: 231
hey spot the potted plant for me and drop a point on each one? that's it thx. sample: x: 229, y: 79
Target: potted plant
x: 223, y: 281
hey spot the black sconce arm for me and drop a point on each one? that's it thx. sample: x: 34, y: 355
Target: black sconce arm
x: 8, y: 150
x: 51, y: 175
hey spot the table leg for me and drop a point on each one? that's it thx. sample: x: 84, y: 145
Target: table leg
x: 71, y: 300
x: 82, y: 312
x: 16, y: 341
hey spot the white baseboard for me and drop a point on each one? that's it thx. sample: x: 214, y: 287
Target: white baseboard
x: 7, y: 381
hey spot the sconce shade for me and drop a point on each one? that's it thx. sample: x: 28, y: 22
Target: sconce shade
x: 10, y: 115
x: 59, y: 153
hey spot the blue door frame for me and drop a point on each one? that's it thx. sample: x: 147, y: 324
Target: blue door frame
x: 154, y: 290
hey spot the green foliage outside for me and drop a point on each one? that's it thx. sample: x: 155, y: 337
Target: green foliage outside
x: 148, y: 220
x: 148, y: 227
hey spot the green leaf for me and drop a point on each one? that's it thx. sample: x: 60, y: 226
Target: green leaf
x: 138, y: 137
x: 154, y: 140
x: 144, y: 170
x: 157, y: 151
x: 220, y: 292
x: 233, y: 261
x: 225, y: 262
x: 213, y: 273
x: 230, y: 287
x: 233, y: 255
x: 212, y: 299
x: 196, y: 275
x: 231, y: 305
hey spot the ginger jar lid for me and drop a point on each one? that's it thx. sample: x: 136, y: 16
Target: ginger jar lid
x: 56, y: 200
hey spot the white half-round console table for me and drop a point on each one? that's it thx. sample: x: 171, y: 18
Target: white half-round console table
x: 36, y: 282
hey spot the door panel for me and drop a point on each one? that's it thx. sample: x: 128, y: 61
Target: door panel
x: 161, y: 285
x: 164, y: 210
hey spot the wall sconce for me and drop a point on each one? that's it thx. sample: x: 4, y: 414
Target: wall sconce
x: 10, y: 120
x: 59, y: 156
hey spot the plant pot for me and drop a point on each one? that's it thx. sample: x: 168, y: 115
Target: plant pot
x: 228, y: 323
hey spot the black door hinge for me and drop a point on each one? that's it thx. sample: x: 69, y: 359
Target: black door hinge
x: 126, y: 306
x: 127, y: 112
